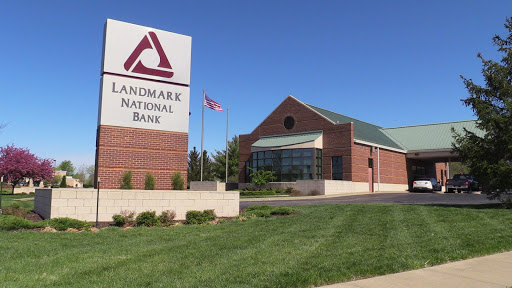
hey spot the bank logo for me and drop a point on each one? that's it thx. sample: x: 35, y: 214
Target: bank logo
x: 149, y: 43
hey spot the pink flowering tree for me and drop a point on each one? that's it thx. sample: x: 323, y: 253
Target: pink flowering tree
x: 17, y: 164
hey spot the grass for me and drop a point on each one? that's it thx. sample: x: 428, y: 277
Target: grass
x: 7, y: 200
x: 319, y: 245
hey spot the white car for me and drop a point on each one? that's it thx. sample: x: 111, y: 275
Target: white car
x: 425, y: 184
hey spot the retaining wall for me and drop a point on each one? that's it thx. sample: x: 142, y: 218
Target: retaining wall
x: 81, y: 203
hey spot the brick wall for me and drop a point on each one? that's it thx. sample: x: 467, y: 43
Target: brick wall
x: 120, y: 149
x: 337, y: 138
x: 393, y: 169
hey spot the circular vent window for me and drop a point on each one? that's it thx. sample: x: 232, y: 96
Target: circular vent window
x: 289, y: 122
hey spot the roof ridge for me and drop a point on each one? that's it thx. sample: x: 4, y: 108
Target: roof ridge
x: 431, y: 124
x: 345, y: 116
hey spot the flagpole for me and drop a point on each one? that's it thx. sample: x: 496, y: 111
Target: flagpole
x: 227, y: 143
x: 202, y: 136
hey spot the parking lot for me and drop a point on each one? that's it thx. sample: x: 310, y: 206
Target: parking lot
x: 375, y: 198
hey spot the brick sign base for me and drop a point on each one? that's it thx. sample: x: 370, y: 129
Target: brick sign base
x: 120, y: 149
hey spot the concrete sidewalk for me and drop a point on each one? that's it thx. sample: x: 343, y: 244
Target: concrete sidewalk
x: 488, y: 271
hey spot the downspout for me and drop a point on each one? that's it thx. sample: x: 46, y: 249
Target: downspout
x: 378, y: 169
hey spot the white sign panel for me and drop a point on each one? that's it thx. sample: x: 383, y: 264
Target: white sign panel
x: 145, y: 52
x: 135, y: 103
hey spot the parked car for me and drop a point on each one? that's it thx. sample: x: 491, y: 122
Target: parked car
x: 460, y: 183
x: 426, y: 184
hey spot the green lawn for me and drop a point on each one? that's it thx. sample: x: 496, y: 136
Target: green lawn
x: 9, y: 199
x: 320, y: 245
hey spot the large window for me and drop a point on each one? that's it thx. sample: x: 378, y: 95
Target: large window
x: 337, y: 168
x: 289, y: 165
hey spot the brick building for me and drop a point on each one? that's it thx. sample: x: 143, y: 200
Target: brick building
x: 299, y: 141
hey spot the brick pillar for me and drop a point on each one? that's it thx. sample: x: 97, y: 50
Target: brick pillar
x: 120, y: 149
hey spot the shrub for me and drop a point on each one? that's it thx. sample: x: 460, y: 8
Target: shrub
x: 63, y: 224
x: 147, y: 218
x: 15, y: 210
x: 126, y: 181
x: 257, y: 193
x: 119, y: 220
x: 129, y: 217
x: 289, y: 190
x: 9, y: 222
x: 177, y: 181
x: 63, y: 182
x: 149, y: 182
x: 166, y: 217
x: 200, y: 217
x: 15, y: 205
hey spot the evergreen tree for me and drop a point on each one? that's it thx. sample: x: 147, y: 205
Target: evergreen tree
x: 207, y: 167
x: 490, y: 157
x: 219, y: 164
x: 63, y: 183
x: 126, y: 180
x: 149, y: 182
x: 194, y: 165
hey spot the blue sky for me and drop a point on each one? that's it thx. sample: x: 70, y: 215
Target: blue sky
x: 390, y: 63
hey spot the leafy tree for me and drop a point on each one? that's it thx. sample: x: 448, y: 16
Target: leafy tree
x: 149, y: 182
x: 67, y: 166
x: 262, y: 177
x: 126, y: 181
x: 194, y: 165
x: 63, y: 183
x: 177, y: 181
x: 16, y: 164
x: 219, y: 164
x: 85, y: 173
x: 489, y: 157
x: 55, y: 181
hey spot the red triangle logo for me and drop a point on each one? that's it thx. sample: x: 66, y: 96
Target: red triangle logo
x: 144, y: 44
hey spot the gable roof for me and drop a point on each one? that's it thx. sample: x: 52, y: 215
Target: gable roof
x: 430, y: 136
x: 362, y: 131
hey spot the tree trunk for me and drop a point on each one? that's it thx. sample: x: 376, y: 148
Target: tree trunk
x: 12, y: 192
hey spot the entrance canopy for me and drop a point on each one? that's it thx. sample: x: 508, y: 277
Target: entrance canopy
x: 290, y: 141
x: 431, y: 142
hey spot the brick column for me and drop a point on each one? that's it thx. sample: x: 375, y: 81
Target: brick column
x: 120, y: 149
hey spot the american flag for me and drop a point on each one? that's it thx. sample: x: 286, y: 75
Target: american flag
x: 208, y: 102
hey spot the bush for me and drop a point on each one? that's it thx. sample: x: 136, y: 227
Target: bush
x: 257, y: 193
x: 129, y: 217
x: 63, y: 224
x: 149, y: 182
x: 15, y: 210
x: 166, y: 217
x: 126, y: 181
x: 200, y: 217
x: 147, y: 218
x: 119, y: 220
x: 15, y: 205
x: 8, y: 222
x: 177, y: 181
x: 289, y: 190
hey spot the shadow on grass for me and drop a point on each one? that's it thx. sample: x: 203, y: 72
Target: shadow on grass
x: 470, y: 206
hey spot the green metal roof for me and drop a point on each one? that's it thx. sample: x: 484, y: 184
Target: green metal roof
x: 431, y: 136
x: 362, y: 131
x: 287, y: 140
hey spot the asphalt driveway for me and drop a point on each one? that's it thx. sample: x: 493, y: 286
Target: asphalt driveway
x: 374, y: 198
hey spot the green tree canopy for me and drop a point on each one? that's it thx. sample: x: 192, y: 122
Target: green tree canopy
x: 490, y: 157
x: 219, y: 164
x: 67, y: 166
